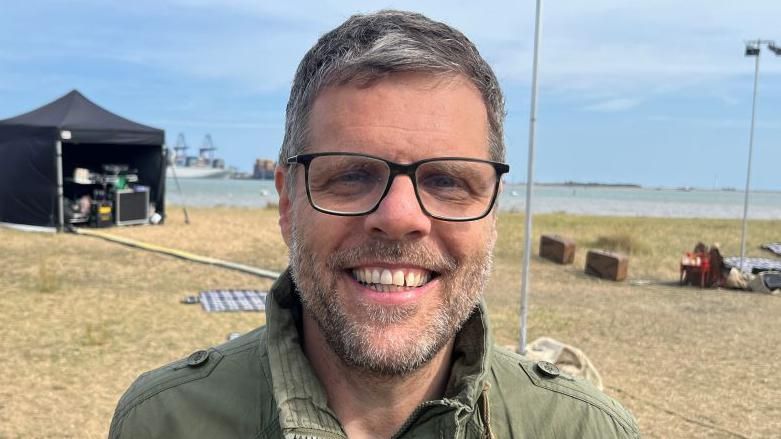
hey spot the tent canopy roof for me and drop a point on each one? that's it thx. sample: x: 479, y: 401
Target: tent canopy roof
x: 88, y: 122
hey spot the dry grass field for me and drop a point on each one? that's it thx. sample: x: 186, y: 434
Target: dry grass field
x: 82, y: 317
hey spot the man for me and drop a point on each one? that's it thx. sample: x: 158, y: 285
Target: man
x: 388, y: 176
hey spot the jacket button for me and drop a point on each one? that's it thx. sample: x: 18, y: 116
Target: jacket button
x: 550, y: 370
x: 197, y: 358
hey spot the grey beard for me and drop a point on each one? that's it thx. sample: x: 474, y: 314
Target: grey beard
x: 351, y: 337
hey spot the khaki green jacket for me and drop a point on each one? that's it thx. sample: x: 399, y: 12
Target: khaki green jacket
x: 260, y: 385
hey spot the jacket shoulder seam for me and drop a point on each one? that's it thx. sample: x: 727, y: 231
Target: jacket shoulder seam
x: 243, y: 343
x: 221, y: 351
x: 151, y: 389
x: 562, y: 388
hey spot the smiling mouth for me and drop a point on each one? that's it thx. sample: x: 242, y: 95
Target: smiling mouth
x: 387, y: 280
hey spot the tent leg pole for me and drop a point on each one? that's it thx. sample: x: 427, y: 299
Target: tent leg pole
x: 60, y: 203
x: 179, y: 188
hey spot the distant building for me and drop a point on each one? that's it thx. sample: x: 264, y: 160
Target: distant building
x: 264, y: 169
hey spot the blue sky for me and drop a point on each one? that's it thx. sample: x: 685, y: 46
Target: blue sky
x: 653, y: 92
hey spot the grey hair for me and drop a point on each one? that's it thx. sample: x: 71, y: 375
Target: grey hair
x: 368, y: 47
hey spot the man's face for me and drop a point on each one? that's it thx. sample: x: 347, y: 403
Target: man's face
x: 343, y: 265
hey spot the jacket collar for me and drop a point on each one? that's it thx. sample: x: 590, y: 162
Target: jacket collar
x: 471, y: 359
x: 301, y: 400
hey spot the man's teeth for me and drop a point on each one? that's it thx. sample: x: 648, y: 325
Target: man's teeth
x: 384, y: 276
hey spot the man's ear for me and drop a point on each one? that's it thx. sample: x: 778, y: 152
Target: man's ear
x: 285, y: 203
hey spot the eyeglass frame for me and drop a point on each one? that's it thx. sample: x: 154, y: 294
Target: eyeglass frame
x: 397, y: 169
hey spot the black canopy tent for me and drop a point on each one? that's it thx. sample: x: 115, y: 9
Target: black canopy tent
x: 38, y: 149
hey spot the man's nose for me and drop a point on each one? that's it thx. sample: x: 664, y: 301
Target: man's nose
x: 399, y: 215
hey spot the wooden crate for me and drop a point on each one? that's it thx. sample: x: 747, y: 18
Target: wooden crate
x: 607, y: 265
x: 557, y: 249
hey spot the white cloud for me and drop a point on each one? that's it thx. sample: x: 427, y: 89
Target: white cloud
x: 594, y: 47
x: 649, y: 47
x: 719, y: 122
x: 614, y: 105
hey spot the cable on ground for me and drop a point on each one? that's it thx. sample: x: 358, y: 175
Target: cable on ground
x: 177, y: 253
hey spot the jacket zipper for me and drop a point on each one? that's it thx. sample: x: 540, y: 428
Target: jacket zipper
x: 311, y: 433
x: 411, y: 419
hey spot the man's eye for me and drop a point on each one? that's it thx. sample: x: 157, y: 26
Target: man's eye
x: 350, y: 177
x: 443, y: 181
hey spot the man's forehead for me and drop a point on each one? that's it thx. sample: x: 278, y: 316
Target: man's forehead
x: 413, y: 109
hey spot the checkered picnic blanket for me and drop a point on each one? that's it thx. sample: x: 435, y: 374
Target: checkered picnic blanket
x: 233, y: 300
x: 774, y: 247
x: 753, y: 265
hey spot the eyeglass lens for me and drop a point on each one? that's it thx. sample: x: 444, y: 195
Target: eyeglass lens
x: 453, y: 189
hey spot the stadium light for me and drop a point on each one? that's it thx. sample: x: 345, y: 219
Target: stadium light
x: 527, y: 237
x: 752, y: 49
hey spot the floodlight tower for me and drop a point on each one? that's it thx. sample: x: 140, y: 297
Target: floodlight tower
x: 753, y: 49
x: 527, y: 236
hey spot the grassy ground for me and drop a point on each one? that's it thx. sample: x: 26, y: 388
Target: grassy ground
x: 82, y: 317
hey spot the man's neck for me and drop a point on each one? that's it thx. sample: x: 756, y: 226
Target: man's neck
x: 366, y: 404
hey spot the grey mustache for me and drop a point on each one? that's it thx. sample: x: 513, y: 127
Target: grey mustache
x: 392, y: 252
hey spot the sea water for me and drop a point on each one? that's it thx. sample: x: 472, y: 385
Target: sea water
x: 583, y: 200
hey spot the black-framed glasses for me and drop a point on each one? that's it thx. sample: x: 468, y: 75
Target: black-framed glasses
x: 447, y: 188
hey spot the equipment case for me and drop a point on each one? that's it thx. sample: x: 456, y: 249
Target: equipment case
x: 131, y: 207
